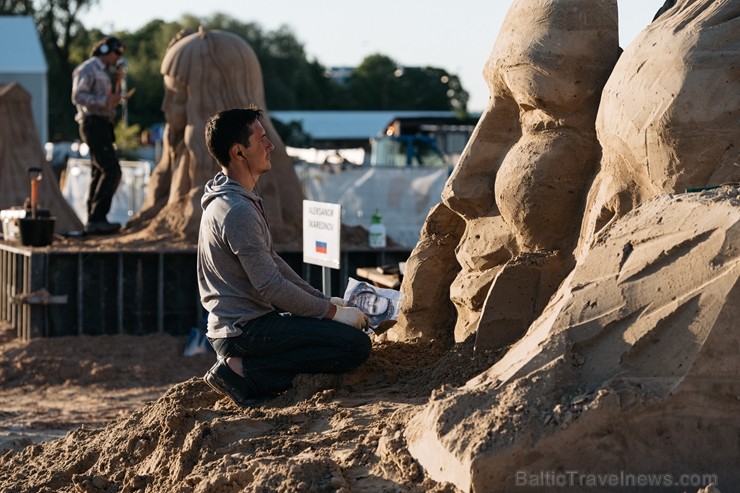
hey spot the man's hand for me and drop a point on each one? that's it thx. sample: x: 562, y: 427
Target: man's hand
x: 351, y: 316
x: 113, y: 99
x: 338, y: 301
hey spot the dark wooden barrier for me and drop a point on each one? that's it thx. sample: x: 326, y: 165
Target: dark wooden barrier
x: 51, y: 292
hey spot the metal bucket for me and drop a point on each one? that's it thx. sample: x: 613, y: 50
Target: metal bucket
x: 37, y: 231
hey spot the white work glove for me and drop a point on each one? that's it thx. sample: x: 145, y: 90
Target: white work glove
x: 338, y: 301
x: 351, y: 316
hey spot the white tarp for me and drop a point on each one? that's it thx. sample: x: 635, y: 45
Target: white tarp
x: 128, y: 197
x: 327, y: 156
x: 403, y: 196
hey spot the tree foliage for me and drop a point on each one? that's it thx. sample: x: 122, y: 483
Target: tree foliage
x: 292, y: 80
x: 380, y: 83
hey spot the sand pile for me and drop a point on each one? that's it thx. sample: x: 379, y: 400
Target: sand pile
x: 327, y: 434
x: 21, y: 149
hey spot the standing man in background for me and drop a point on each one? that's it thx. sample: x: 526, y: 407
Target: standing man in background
x: 95, y: 95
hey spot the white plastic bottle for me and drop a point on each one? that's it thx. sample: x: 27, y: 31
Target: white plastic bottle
x: 377, y: 231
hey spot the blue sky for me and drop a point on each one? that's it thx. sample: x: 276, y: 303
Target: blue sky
x: 457, y: 36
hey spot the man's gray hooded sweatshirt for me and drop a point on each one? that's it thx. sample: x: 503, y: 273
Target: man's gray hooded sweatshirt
x: 240, y: 276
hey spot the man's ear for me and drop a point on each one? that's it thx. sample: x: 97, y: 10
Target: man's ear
x: 235, y: 152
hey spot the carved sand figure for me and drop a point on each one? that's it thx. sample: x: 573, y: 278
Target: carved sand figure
x: 632, y: 366
x: 662, y: 108
x: 20, y: 149
x: 206, y: 72
x: 520, y: 183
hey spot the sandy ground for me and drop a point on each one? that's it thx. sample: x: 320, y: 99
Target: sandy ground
x: 52, y: 386
x: 131, y: 413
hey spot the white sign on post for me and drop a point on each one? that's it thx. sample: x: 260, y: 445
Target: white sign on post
x: 321, y: 233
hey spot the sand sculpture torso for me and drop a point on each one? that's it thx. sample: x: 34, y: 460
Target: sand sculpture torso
x: 206, y: 72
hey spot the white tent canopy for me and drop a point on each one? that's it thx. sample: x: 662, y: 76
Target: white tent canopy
x: 22, y: 60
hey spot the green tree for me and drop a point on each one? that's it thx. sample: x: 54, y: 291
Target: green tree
x: 373, y: 83
x: 379, y: 83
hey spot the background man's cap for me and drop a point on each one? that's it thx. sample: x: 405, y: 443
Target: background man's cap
x: 107, y: 45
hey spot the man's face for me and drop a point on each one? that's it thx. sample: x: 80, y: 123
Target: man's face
x: 371, y: 303
x: 111, y: 58
x: 174, y: 107
x: 258, y: 152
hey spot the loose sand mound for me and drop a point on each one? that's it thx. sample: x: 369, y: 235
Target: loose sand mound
x: 327, y: 434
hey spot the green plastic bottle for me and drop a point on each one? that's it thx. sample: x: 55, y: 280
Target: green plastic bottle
x: 377, y: 231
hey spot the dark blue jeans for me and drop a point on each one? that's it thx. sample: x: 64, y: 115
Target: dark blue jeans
x: 276, y: 348
x: 105, y: 172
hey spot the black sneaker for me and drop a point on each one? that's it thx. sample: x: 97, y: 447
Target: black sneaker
x: 223, y: 380
x: 101, y: 227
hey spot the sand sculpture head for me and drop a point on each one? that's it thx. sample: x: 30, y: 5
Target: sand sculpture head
x: 206, y: 72
x: 535, y: 143
x: 200, y: 79
x: 520, y: 183
x: 550, y: 141
x: 660, y: 123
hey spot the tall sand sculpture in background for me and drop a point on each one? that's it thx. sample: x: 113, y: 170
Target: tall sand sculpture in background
x: 20, y: 149
x: 632, y: 366
x: 206, y: 72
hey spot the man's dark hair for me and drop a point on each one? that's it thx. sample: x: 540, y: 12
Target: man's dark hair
x: 229, y: 127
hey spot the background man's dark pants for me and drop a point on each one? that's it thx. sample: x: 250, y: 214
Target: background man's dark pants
x: 274, y: 349
x: 97, y: 133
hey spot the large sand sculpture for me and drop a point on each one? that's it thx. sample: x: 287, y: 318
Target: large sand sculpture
x: 206, y: 72
x: 21, y: 149
x: 631, y: 366
x: 668, y: 120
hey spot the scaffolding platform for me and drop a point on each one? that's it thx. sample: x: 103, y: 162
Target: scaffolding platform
x: 60, y: 291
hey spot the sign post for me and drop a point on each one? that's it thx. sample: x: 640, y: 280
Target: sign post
x: 322, y: 224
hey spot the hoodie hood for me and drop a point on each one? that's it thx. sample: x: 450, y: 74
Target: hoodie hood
x: 221, y: 185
